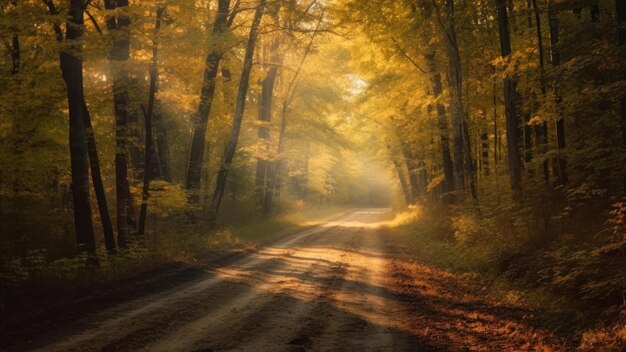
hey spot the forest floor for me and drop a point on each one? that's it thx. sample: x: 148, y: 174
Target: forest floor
x: 348, y: 284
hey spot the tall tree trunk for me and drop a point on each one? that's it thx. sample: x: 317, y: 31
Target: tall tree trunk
x: 513, y: 132
x: 456, y: 99
x: 555, y: 58
x: 70, y: 58
x: 244, y: 82
x: 275, y: 180
x: 160, y: 168
x: 442, y: 122
x: 118, y: 26
x: 72, y: 68
x: 265, y: 116
x: 484, y: 153
x: 15, y: 49
x: 621, y: 40
x: 401, y: 177
x: 96, y: 179
x: 541, y: 130
x: 196, y: 153
x: 149, y: 148
x: 412, y: 167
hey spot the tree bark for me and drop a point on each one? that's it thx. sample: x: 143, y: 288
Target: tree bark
x: 196, y: 153
x: 621, y: 41
x: 161, y: 162
x: 149, y: 148
x: 96, y: 179
x: 276, y: 179
x: 442, y: 122
x: 513, y: 132
x: 263, y: 170
x: 541, y: 130
x: 118, y: 57
x: 244, y: 82
x: 72, y: 69
x: 400, y: 172
x: 456, y: 99
x: 555, y: 58
x: 412, y: 165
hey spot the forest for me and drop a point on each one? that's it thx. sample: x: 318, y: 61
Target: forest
x: 470, y: 143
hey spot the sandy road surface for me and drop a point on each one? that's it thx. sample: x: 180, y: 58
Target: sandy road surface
x: 336, y: 287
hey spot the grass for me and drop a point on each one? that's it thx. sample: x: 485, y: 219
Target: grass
x: 266, y: 229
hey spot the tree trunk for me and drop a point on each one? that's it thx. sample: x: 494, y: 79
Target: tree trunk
x: 118, y: 57
x: 244, y: 82
x: 513, y: 132
x: 265, y: 116
x: 435, y: 78
x: 484, y: 153
x: 621, y: 37
x: 541, y: 130
x: 405, y: 188
x: 406, y: 192
x: 96, y: 179
x: 161, y: 161
x: 196, y: 153
x: 442, y: 122
x: 72, y: 68
x: 555, y: 58
x: 276, y: 179
x: 456, y: 99
x: 412, y: 167
x: 149, y: 148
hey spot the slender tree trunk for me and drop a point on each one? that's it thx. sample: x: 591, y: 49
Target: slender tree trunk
x: 406, y: 192
x: 72, y: 68
x: 484, y: 153
x: 118, y: 26
x: 412, y: 167
x: 621, y: 40
x: 456, y: 99
x: 541, y: 130
x: 96, y: 179
x: 244, y: 82
x: 196, y: 153
x: 513, y: 132
x: 15, y: 50
x: 266, y: 98
x: 555, y: 58
x: 274, y: 186
x: 442, y: 122
x: 149, y: 148
x: 403, y: 184
x: 161, y: 162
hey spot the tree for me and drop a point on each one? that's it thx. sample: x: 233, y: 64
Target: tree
x: 621, y: 39
x: 266, y: 99
x: 275, y: 180
x: 244, y: 82
x: 198, y: 140
x: 118, y: 24
x: 555, y: 58
x: 72, y: 68
x: 510, y: 103
x: 149, y: 113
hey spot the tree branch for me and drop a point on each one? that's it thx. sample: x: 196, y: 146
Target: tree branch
x: 406, y: 56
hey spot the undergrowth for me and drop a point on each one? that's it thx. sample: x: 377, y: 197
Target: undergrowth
x: 39, y: 273
x: 577, y: 286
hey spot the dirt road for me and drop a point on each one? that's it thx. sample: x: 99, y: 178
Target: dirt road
x: 341, y: 286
